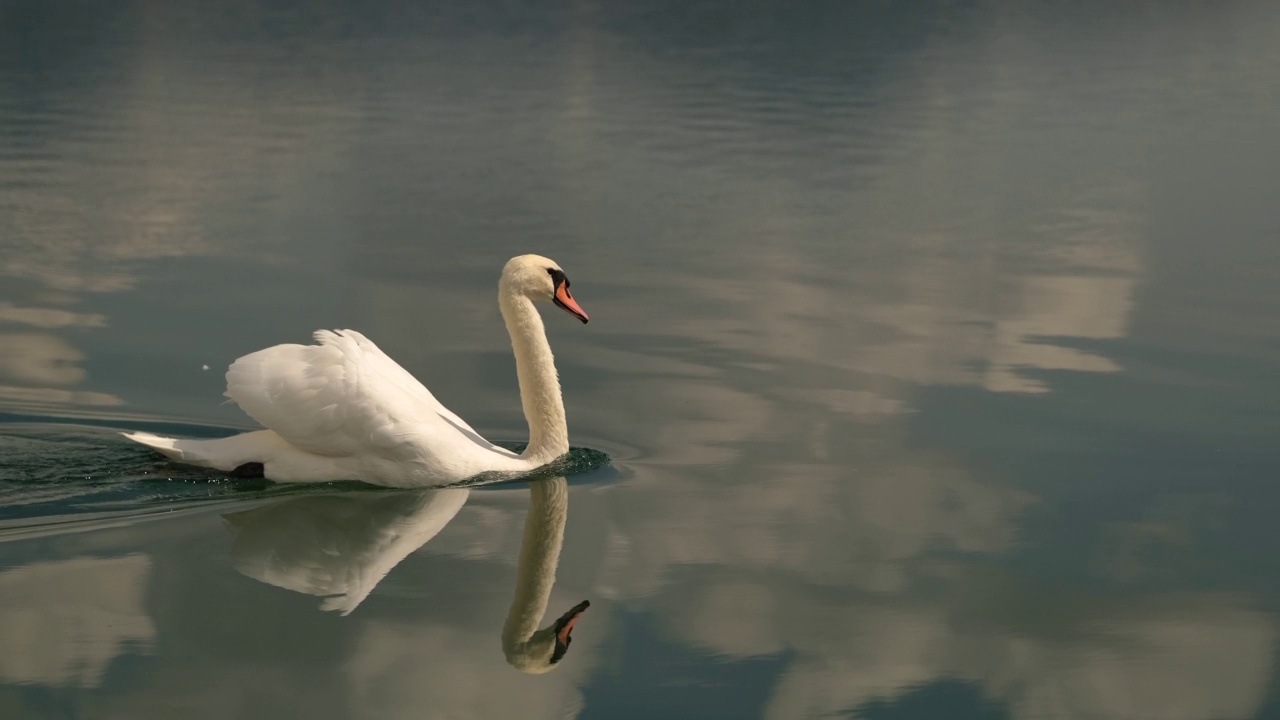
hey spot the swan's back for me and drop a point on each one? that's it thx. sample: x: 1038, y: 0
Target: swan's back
x: 343, y: 397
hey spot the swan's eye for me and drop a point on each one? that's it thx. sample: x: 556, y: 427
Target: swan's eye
x: 558, y: 277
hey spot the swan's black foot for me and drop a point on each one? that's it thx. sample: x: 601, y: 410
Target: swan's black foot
x: 248, y: 470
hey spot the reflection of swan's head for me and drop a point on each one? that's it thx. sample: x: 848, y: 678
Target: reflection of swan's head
x: 547, y: 646
x: 541, y: 280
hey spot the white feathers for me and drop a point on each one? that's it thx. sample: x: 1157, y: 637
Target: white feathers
x: 315, y: 396
x: 345, y: 401
x: 165, y: 446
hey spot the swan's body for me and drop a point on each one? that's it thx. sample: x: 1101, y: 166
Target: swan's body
x: 343, y: 410
x: 340, y: 547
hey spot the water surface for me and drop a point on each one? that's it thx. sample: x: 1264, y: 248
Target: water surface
x: 935, y: 346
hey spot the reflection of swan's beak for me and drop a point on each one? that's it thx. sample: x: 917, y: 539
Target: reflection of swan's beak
x: 563, y: 628
x: 565, y: 300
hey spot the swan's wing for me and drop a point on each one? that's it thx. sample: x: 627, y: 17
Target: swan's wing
x: 339, y: 397
x: 380, y: 364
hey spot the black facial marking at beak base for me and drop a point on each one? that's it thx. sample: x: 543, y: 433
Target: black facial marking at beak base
x: 561, y: 296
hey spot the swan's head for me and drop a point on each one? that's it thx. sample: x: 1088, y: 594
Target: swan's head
x: 547, y: 646
x: 540, y: 279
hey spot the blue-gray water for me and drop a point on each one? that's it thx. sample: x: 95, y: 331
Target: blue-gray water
x: 936, y: 347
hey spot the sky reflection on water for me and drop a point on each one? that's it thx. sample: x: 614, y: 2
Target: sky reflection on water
x: 935, y: 346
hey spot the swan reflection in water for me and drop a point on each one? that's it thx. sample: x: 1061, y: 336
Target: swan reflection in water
x: 339, y: 547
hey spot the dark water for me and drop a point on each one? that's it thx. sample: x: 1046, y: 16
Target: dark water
x: 936, y: 347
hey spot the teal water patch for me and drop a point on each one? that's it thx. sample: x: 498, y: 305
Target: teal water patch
x: 578, y: 461
x: 61, y: 469
x: 48, y: 470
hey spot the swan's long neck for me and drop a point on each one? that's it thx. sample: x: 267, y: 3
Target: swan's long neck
x: 539, y: 556
x: 539, y: 385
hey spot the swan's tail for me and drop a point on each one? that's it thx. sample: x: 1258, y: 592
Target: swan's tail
x: 223, y: 453
x: 165, y: 446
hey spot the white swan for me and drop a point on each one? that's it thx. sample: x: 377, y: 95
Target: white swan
x: 340, y: 547
x: 343, y: 410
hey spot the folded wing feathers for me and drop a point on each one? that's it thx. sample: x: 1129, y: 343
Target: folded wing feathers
x: 339, y: 397
x: 309, y: 394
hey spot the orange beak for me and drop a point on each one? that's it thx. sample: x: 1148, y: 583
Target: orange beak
x: 565, y: 300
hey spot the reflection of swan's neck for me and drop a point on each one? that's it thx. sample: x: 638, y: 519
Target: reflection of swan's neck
x: 536, y: 370
x: 536, y: 574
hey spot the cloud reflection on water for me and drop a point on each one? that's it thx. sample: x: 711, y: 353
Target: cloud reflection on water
x: 767, y: 329
x: 828, y: 561
x: 108, y: 183
x: 63, y: 621
x: 1190, y: 657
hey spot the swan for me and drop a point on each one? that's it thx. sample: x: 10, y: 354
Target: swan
x: 339, y: 547
x: 343, y: 410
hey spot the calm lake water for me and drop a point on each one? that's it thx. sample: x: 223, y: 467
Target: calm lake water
x: 936, y: 347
